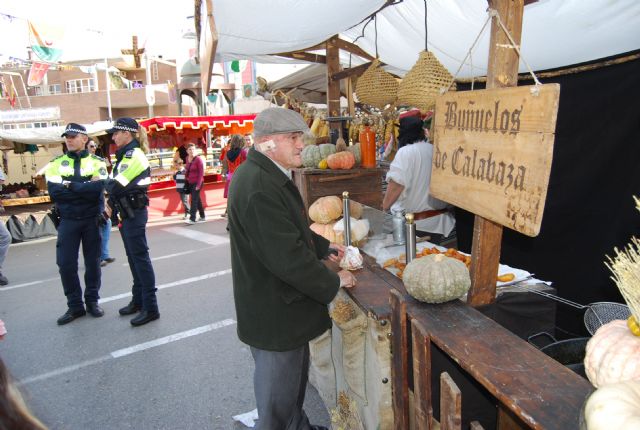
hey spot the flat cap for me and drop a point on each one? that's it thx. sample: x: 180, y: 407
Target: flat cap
x: 278, y: 121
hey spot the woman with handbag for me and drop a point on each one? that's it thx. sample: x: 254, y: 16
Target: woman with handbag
x: 194, y: 181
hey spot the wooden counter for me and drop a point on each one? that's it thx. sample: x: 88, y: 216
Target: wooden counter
x: 521, y: 386
x: 364, y: 185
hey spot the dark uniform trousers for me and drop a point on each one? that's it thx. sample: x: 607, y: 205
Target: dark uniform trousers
x: 71, y: 232
x: 135, y: 244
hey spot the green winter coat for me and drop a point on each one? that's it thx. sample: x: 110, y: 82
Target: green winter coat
x: 280, y: 286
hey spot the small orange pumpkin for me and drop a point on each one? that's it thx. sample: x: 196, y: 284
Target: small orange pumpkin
x: 341, y: 160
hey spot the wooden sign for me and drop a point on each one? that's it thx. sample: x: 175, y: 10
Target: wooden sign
x: 493, y: 150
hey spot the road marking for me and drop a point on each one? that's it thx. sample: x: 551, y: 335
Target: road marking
x: 128, y: 351
x: 190, y: 233
x: 172, y: 284
x: 172, y: 338
x: 28, y: 284
x: 177, y: 254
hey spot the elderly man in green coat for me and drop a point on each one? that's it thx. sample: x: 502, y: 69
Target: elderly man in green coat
x: 281, y: 286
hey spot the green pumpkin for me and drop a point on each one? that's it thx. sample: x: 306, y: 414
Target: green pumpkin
x: 436, y: 278
x: 326, y: 149
x: 355, y: 150
x: 311, y: 156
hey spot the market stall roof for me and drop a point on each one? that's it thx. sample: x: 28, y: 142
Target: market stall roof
x: 308, y: 84
x: 49, y: 135
x: 163, y: 123
x: 555, y: 33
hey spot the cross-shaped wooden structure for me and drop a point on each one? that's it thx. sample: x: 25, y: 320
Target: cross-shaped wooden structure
x: 134, y: 51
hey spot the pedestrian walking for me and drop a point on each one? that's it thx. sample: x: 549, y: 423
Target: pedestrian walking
x: 105, y: 231
x: 281, y: 286
x: 195, y: 180
x: 75, y: 181
x: 180, y: 178
x: 127, y: 190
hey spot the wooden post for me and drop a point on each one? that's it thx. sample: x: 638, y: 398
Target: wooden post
x: 400, y: 361
x: 503, y: 72
x: 333, y: 86
x: 450, y: 404
x: 421, y: 351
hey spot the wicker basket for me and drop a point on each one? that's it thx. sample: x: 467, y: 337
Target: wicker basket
x: 424, y: 82
x: 376, y: 87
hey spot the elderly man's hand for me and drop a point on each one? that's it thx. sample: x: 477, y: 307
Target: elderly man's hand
x: 338, y: 253
x: 347, y: 279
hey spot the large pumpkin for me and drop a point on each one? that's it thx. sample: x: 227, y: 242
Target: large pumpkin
x: 310, y: 156
x: 614, y: 406
x: 327, y: 231
x: 326, y: 149
x: 326, y: 209
x: 436, y: 278
x: 613, y: 355
x: 341, y: 160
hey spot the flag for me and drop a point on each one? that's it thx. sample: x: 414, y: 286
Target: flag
x: 37, y: 73
x: 172, y: 92
x: 11, y: 95
x: 45, y: 41
x: 238, y: 65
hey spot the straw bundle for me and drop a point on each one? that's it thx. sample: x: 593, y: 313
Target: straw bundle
x: 626, y: 272
x: 376, y: 87
x: 424, y: 82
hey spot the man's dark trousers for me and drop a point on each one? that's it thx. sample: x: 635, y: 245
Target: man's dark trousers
x: 71, y: 233
x: 133, y: 232
x: 280, y: 382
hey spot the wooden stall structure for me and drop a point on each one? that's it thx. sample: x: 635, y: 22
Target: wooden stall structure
x: 363, y: 185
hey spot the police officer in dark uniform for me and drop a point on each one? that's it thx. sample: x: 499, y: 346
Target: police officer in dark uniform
x: 76, y: 182
x: 128, y: 197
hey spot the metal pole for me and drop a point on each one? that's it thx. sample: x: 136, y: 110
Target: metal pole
x: 107, y: 83
x: 346, y: 218
x: 410, y: 244
x: 148, y: 73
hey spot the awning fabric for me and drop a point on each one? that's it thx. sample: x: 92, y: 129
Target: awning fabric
x: 163, y: 123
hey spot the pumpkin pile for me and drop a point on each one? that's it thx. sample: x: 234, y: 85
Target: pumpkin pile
x: 328, y: 156
x: 326, y: 214
x: 612, y: 359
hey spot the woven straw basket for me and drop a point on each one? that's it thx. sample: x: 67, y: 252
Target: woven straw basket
x: 376, y: 87
x: 422, y: 84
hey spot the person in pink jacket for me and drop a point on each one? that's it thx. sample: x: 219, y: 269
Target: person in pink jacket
x: 194, y: 174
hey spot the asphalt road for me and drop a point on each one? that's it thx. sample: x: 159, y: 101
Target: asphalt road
x: 187, y: 370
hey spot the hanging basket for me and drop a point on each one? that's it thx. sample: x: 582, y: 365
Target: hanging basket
x: 376, y: 87
x: 424, y: 82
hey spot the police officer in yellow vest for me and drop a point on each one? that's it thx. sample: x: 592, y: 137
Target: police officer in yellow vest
x: 76, y: 183
x: 128, y: 197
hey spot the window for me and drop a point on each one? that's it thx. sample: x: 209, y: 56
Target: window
x: 8, y: 126
x: 36, y: 91
x: 40, y: 124
x: 55, y: 89
x: 80, y: 86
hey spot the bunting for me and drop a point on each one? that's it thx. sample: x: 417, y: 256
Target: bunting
x: 45, y: 41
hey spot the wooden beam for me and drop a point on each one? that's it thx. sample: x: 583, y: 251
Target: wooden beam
x: 354, y: 49
x: 208, y: 46
x: 503, y: 72
x: 333, y: 85
x: 353, y: 71
x: 305, y: 56
x: 421, y: 352
x: 399, y: 361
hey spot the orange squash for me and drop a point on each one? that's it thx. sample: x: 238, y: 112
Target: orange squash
x: 341, y: 160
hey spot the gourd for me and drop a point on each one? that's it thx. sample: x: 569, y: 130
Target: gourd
x: 612, y: 355
x: 355, y: 150
x: 341, y: 160
x: 310, y: 156
x: 326, y: 231
x: 326, y: 209
x: 326, y: 149
x: 323, y: 164
x: 436, y: 278
x: 614, y: 406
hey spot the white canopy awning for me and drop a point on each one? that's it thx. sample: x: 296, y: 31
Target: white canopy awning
x: 50, y: 135
x: 555, y: 33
